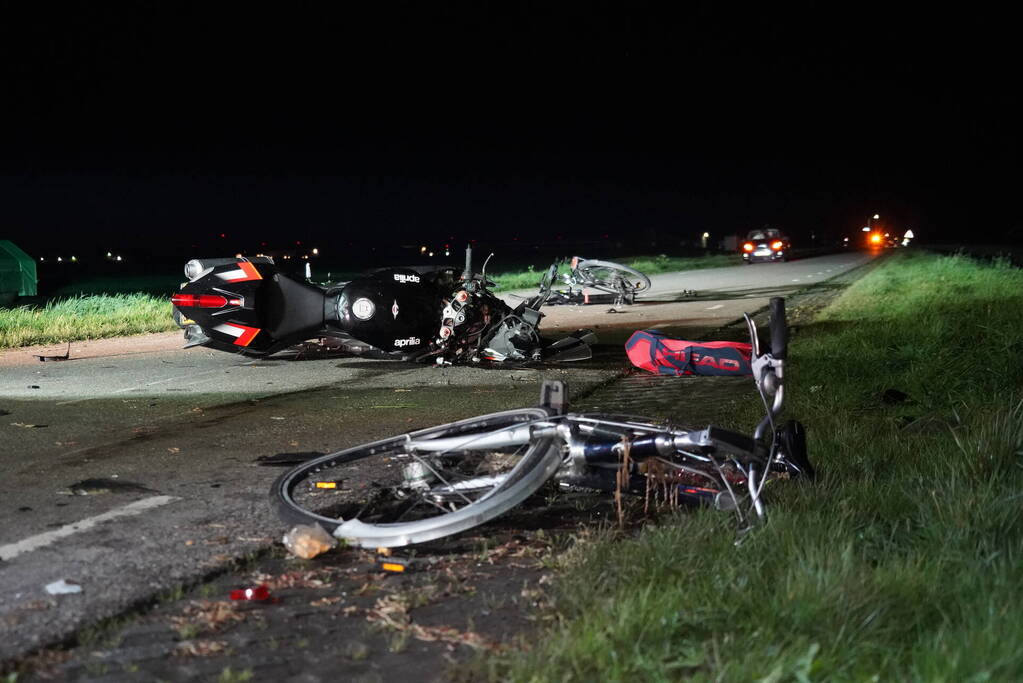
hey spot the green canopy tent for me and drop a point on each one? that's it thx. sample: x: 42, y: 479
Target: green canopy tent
x: 17, y: 272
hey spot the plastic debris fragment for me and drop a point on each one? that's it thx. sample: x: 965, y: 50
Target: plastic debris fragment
x: 308, y: 540
x: 259, y: 593
x: 63, y: 587
x: 66, y: 355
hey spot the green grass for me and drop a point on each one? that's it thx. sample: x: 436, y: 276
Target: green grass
x: 650, y: 265
x: 84, y: 317
x: 903, y: 562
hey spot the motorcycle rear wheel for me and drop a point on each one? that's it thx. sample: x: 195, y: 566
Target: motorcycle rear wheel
x: 424, y: 485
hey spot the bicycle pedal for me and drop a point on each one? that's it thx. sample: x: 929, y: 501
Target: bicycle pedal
x: 396, y: 565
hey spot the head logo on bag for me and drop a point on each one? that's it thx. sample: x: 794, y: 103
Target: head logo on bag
x: 655, y: 352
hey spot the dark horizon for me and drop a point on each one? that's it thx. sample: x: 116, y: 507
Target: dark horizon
x: 161, y: 127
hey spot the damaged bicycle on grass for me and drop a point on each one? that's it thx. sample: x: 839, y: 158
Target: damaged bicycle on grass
x: 434, y: 482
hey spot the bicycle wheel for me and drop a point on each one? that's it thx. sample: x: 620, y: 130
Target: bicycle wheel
x: 613, y: 277
x: 424, y: 485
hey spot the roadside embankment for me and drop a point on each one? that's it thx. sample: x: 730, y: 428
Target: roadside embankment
x: 901, y: 561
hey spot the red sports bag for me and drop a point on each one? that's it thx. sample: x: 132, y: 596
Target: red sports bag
x: 656, y: 352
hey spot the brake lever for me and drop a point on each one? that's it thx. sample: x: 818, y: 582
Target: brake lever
x: 753, y: 335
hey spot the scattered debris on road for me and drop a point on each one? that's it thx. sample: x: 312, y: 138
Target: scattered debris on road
x: 66, y: 356
x: 308, y: 540
x: 95, y: 487
x: 260, y: 593
x: 63, y: 587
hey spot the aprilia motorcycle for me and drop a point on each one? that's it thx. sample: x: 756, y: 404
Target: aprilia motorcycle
x: 247, y: 305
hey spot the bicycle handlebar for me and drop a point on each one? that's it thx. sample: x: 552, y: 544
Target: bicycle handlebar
x: 779, y: 329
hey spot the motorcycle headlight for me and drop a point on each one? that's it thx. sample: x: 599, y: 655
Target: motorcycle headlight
x: 193, y: 269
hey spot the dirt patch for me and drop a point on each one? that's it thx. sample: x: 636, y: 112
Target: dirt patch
x: 96, y: 348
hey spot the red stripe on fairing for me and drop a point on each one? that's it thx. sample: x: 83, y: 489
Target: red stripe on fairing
x: 247, y: 335
x: 250, y: 273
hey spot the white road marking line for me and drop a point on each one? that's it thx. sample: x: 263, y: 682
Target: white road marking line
x: 26, y: 545
x: 795, y: 279
x: 714, y: 308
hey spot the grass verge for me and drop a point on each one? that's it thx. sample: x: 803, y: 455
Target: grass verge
x: 903, y: 562
x: 84, y: 317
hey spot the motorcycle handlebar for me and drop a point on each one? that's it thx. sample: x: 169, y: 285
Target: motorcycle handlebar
x: 779, y: 329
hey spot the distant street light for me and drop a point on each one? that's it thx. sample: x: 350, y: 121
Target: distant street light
x: 875, y: 217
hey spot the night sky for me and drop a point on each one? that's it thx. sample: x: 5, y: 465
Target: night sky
x: 162, y: 125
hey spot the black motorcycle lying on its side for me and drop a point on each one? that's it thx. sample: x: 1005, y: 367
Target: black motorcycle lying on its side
x: 246, y: 305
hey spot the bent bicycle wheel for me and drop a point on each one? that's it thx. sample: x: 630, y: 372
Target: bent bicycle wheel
x: 613, y: 277
x: 424, y: 485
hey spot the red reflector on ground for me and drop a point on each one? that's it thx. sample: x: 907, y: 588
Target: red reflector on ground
x: 260, y: 592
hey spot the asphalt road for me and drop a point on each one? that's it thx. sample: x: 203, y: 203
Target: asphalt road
x: 166, y: 442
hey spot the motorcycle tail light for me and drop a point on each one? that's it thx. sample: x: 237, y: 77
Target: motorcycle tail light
x: 199, y: 300
x: 748, y: 246
x: 776, y: 244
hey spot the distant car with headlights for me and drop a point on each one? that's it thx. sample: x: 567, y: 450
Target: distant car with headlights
x: 882, y: 240
x: 767, y: 244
